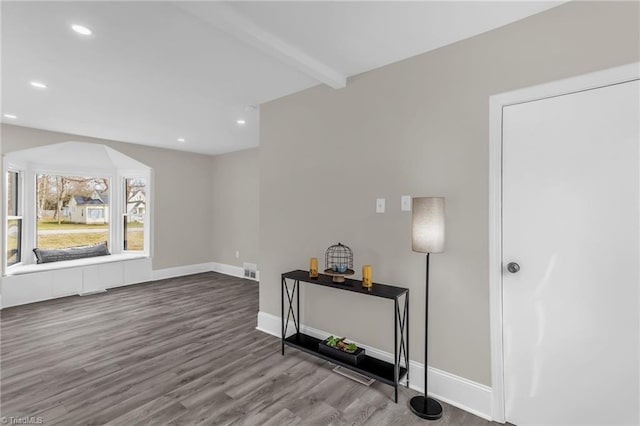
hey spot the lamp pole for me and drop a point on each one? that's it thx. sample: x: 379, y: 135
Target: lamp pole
x: 428, y: 237
x: 423, y: 406
x: 426, y: 328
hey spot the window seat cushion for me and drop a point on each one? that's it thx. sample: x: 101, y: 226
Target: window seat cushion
x: 77, y: 263
x: 71, y: 253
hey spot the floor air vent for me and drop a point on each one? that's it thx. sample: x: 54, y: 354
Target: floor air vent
x: 356, y: 377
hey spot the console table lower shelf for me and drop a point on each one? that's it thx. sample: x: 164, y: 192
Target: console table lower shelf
x: 374, y: 368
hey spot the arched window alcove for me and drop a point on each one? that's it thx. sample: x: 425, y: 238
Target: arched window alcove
x: 71, y: 194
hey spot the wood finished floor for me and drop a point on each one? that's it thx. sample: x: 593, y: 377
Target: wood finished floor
x: 178, y: 351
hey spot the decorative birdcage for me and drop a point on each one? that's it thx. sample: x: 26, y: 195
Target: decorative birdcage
x: 338, y: 262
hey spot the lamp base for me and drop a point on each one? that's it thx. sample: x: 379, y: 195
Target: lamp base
x: 425, y: 407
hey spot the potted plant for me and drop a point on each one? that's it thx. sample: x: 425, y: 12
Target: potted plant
x: 340, y: 349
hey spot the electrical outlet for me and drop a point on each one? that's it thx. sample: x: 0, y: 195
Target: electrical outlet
x: 380, y: 204
x: 237, y: 254
x: 405, y: 203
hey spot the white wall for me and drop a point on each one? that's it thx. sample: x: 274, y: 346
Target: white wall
x: 235, y: 191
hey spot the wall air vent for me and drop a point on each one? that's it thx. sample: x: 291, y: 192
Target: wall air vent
x: 250, y: 270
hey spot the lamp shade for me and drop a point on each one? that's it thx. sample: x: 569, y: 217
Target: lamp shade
x: 428, y: 225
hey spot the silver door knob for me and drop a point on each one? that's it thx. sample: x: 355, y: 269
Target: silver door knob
x: 513, y: 267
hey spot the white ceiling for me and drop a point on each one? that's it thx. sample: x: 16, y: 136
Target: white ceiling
x: 153, y: 72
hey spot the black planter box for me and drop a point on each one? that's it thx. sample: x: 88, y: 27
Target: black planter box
x: 343, y: 356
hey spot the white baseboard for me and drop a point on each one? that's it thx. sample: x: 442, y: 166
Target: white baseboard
x: 178, y: 271
x: 90, y: 293
x: 270, y: 324
x: 465, y: 394
x: 234, y: 271
x: 37, y: 286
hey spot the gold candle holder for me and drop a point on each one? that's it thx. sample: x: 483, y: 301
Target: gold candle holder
x: 366, y: 276
x: 313, y: 267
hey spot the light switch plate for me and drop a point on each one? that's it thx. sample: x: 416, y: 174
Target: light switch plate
x: 380, y: 204
x: 405, y: 203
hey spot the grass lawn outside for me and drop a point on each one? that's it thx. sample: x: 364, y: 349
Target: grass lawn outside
x: 135, y: 240
x: 50, y: 225
x: 69, y: 240
x: 12, y: 244
x: 135, y: 237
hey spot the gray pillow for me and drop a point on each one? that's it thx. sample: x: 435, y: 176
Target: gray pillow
x: 71, y: 253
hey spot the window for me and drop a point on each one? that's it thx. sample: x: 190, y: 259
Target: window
x: 71, y: 210
x: 14, y: 219
x: 72, y: 194
x: 134, y: 217
x: 95, y: 214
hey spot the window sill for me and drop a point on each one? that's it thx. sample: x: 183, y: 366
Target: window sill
x: 28, y: 269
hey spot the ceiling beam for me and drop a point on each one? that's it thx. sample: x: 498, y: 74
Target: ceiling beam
x: 225, y: 18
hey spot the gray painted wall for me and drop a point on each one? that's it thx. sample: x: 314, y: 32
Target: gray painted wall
x: 182, y: 207
x: 235, y: 189
x: 418, y: 127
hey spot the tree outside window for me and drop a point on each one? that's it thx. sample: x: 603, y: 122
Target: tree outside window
x: 135, y: 214
x: 14, y: 219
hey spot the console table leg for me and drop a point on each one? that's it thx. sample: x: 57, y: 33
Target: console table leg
x: 298, y: 306
x: 403, y: 350
x: 396, y: 358
x: 282, y: 331
x: 406, y: 355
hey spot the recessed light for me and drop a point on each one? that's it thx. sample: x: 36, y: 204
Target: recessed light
x: 38, y: 85
x: 181, y: 140
x: 81, y: 29
x: 11, y: 116
x: 241, y: 122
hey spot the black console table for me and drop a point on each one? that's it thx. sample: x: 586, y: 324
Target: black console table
x: 374, y: 368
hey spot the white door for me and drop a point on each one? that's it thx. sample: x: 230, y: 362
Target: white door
x: 571, y: 201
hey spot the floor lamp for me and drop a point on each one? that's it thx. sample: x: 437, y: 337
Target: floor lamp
x: 427, y: 237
